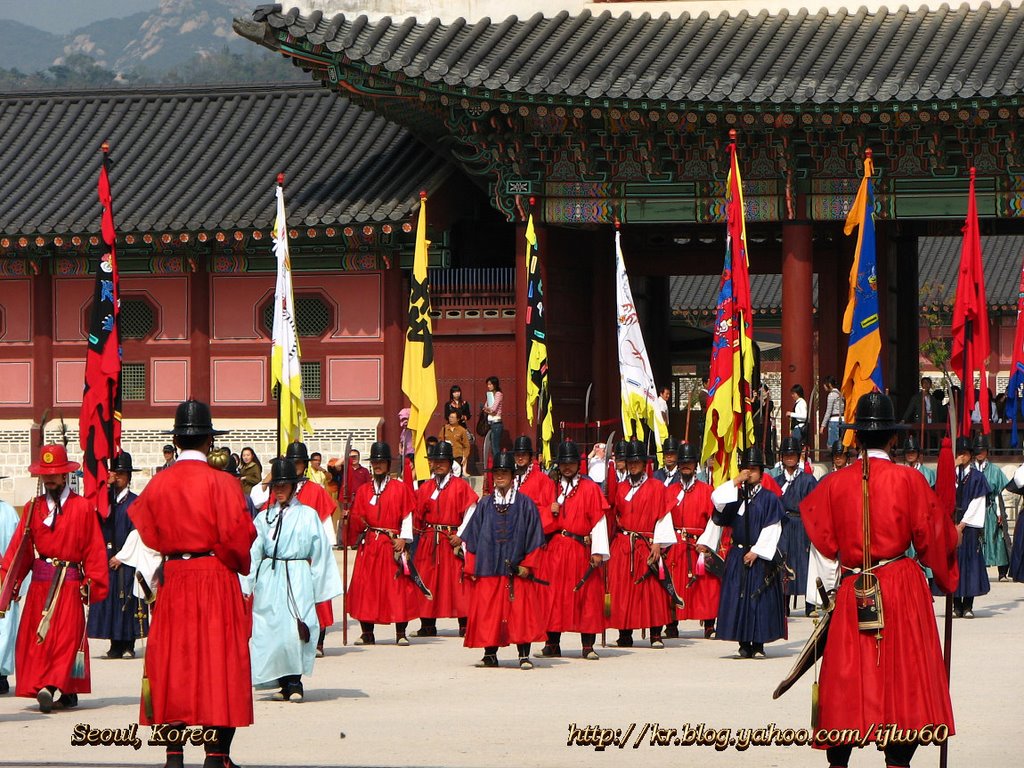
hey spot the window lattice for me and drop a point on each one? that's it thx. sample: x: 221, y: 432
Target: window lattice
x: 133, y: 381
x: 310, y: 382
x: 137, y: 319
x: 312, y: 316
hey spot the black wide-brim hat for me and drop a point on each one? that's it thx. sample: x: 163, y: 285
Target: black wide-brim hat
x: 192, y: 419
x: 504, y: 461
x: 283, y: 471
x: 875, y: 413
x: 122, y: 463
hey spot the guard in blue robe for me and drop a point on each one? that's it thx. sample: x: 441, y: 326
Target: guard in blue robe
x: 796, y: 485
x: 1016, y: 570
x: 9, y: 623
x: 993, y: 542
x: 122, y: 618
x: 668, y: 474
x: 292, y: 569
x: 751, y: 610
x: 972, y: 490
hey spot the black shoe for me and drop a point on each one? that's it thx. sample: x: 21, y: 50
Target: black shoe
x: 656, y: 641
x: 758, y: 650
x: 129, y: 653
x: 957, y: 614
x: 45, y: 699
x: 590, y: 654
x: 525, y: 663
x: 175, y: 759
x: 295, y: 693
x: 5, y: 687
x: 746, y: 652
x: 67, y: 700
x: 427, y: 632
x: 549, y: 652
x: 489, y: 660
x: 366, y: 639
x: 625, y: 640
x: 709, y: 631
x: 672, y: 631
x: 218, y: 760
x: 115, y: 652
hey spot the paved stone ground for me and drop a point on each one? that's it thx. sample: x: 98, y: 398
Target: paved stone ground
x: 426, y: 705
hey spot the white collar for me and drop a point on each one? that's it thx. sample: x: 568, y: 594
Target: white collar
x: 643, y: 479
x: 64, y: 495
x: 519, y: 479
x: 192, y: 456
x: 878, y: 453
x: 508, y: 498
x: 689, y: 485
x: 568, y: 485
x: 123, y: 495
x: 790, y: 477
x: 981, y: 465
x: 443, y: 482
x: 379, y: 489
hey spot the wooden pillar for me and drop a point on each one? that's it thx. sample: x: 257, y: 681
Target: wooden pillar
x: 833, y: 268
x: 42, y: 340
x: 605, y: 373
x: 199, y: 330
x: 395, y: 302
x: 797, y: 311
x: 658, y: 330
x: 906, y: 371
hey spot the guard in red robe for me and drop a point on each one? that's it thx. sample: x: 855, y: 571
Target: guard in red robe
x: 571, y: 560
x: 691, y: 510
x: 381, y: 520
x: 197, y: 661
x: 530, y: 480
x: 503, y: 541
x: 70, y: 551
x: 898, y: 679
x: 316, y: 496
x: 444, y: 503
x: 643, y: 523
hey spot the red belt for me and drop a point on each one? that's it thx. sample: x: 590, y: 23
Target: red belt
x: 45, y: 570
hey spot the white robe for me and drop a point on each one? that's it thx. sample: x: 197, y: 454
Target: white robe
x: 9, y: 623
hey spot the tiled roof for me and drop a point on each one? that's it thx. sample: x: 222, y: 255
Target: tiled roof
x: 186, y: 159
x: 938, y: 262
x: 794, y: 57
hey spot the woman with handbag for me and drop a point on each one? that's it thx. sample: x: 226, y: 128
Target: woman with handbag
x: 492, y: 409
x: 292, y: 570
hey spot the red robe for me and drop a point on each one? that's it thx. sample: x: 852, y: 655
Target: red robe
x: 197, y: 658
x: 540, y: 489
x: 564, y: 560
x: 315, y: 496
x: 76, y: 538
x: 435, y: 559
x: 636, y: 606
x: 375, y: 594
x: 901, y: 679
x: 690, y: 514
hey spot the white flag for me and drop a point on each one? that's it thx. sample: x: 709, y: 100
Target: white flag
x: 285, y: 370
x: 636, y: 379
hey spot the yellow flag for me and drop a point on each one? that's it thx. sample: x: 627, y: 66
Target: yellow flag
x: 285, y: 369
x: 418, y: 380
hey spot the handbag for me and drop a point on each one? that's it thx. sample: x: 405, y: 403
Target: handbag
x: 483, y: 426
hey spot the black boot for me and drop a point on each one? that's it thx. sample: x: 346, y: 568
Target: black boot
x: 656, y: 641
x: 320, y: 643
x: 428, y: 628
x: 490, y: 658
x: 746, y: 650
x: 672, y: 630
x: 218, y: 751
x: 400, y: 638
x: 551, y: 648
x: 757, y: 650
x: 366, y: 638
x: 175, y: 756
x: 968, y: 606
x: 625, y: 638
x: 462, y: 626
x: 709, y: 628
x: 588, y: 646
x: 524, y: 656
x: 5, y: 687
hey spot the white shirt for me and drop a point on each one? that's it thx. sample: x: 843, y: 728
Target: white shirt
x: 51, y: 505
x: 767, y: 542
x: 799, y: 412
x: 974, y: 515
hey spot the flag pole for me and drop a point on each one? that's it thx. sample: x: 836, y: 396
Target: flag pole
x: 280, y: 393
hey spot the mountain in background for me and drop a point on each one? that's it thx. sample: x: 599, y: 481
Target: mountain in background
x: 150, y: 42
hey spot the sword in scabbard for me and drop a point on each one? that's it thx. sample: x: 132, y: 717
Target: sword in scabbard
x: 147, y: 593
x: 408, y: 570
x: 586, y: 575
x: 51, y: 603
x: 778, y: 567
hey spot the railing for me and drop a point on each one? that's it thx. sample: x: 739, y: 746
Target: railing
x: 472, y: 287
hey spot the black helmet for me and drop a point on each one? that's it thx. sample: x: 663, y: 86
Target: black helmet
x: 504, y: 460
x: 296, y: 452
x: 963, y: 445
x: 874, y: 413
x: 620, y: 450
x: 912, y: 445
x: 192, y: 419
x: 838, y: 448
x: 523, y: 444
x: 751, y: 457
x: 380, y: 452
x: 568, y: 452
x: 283, y: 471
x: 789, y: 445
x: 980, y: 444
x: 635, y: 451
x: 170, y: 449
x: 670, y: 445
x: 443, y: 451
x: 431, y: 451
x: 687, y: 452
x: 122, y: 463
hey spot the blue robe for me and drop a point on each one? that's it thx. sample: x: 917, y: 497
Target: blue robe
x: 794, y: 543
x: 741, y: 616
x: 973, y: 576
x: 498, y: 541
x: 9, y: 623
x: 305, y: 563
x: 116, y: 618
x: 661, y: 474
x: 992, y: 543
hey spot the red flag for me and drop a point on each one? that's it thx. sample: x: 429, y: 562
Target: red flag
x: 945, y: 477
x: 99, y: 423
x: 971, y: 346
